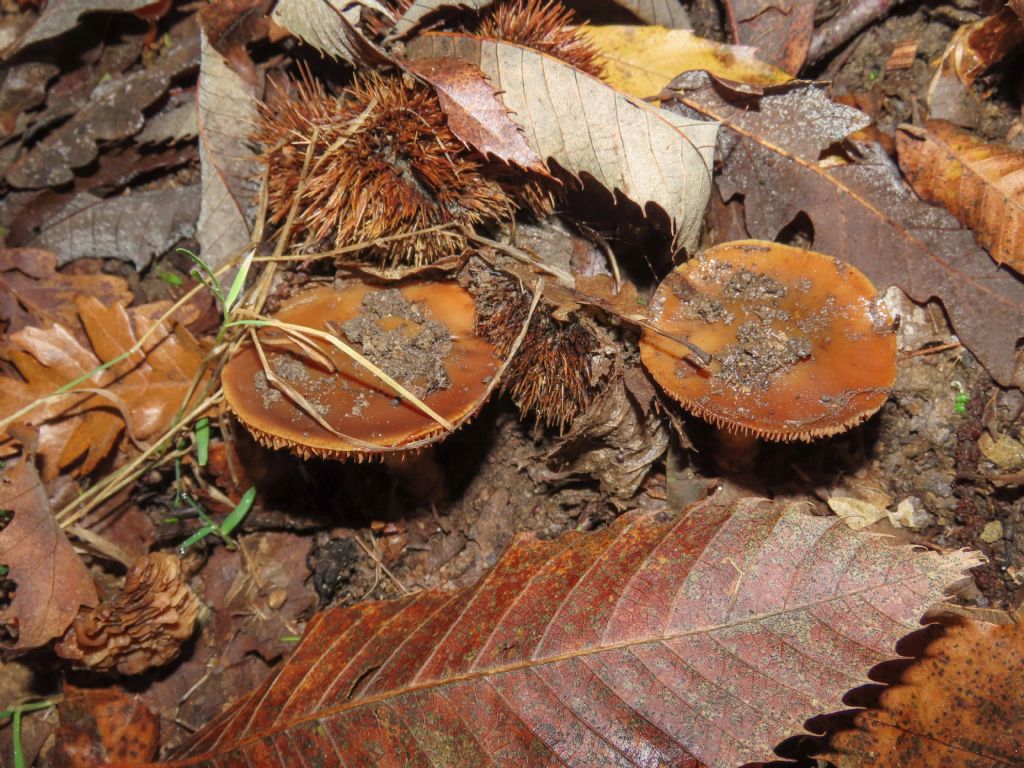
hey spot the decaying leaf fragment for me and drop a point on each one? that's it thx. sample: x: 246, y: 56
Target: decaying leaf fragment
x: 142, y: 626
x: 103, y: 725
x: 141, y: 394
x: 51, y: 582
x: 649, y: 155
x: 860, y: 211
x: 979, y: 182
x: 710, y: 635
x: 959, y: 705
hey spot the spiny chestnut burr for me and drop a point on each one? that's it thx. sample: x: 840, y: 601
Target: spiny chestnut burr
x: 545, y: 26
x: 550, y: 375
x: 383, y: 163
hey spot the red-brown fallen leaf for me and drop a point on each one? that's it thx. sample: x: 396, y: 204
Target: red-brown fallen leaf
x: 860, y: 211
x: 780, y: 29
x: 475, y: 114
x: 98, y: 725
x: 980, y: 183
x: 51, y: 581
x: 148, y: 388
x: 960, y: 705
x: 661, y: 640
x: 33, y: 293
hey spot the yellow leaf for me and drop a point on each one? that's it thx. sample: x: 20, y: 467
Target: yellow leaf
x: 641, y: 60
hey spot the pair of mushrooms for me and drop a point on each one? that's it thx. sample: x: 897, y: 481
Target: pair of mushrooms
x: 800, y: 347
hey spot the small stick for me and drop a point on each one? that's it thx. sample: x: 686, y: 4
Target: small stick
x: 373, y: 556
x: 843, y: 26
x: 932, y: 350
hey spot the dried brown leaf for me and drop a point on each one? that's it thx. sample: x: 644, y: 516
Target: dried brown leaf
x: 229, y: 169
x: 959, y: 705
x: 33, y: 293
x: 148, y: 388
x: 475, y: 113
x: 649, y: 155
x: 780, y: 29
x: 662, y: 639
x: 977, y: 181
x: 860, y: 211
x: 135, y: 227
x: 51, y: 581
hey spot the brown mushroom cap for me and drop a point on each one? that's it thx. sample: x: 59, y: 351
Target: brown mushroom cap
x: 429, y: 337
x: 801, y: 346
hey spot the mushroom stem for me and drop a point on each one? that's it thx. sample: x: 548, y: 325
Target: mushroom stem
x: 735, y: 452
x: 420, y: 476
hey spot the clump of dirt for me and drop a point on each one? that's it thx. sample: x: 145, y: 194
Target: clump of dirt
x: 759, y: 353
x: 413, y: 356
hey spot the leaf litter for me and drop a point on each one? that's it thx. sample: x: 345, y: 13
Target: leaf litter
x: 941, y: 451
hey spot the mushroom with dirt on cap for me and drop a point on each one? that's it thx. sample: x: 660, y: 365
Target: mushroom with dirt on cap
x: 401, y: 369
x: 801, y: 346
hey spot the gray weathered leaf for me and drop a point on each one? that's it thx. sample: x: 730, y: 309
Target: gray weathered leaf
x: 666, y: 13
x: 61, y: 15
x: 648, y: 154
x: 229, y: 170
x: 133, y: 228
x: 176, y: 124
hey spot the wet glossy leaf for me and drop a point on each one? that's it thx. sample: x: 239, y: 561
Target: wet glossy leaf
x: 663, y: 639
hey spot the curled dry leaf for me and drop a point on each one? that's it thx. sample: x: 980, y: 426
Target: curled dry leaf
x: 641, y: 61
x: 330, y: 26
x: 51, y: 582
x: 710, y: 635
x: 649, y: 155
x: 979, y: 182
x: 142, y: 626
x: 860, y: 211
x: 615, y: 440
x: 33, y: 293
x: 145, y: 390
x: 135, y: 227
x: 103, y: 725
x: 959, y: 705
x: 229, y: 170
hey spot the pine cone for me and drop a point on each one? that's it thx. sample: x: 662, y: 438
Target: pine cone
x: 142, y: 626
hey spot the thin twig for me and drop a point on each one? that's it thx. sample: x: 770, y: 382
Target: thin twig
x: 373, y: 556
